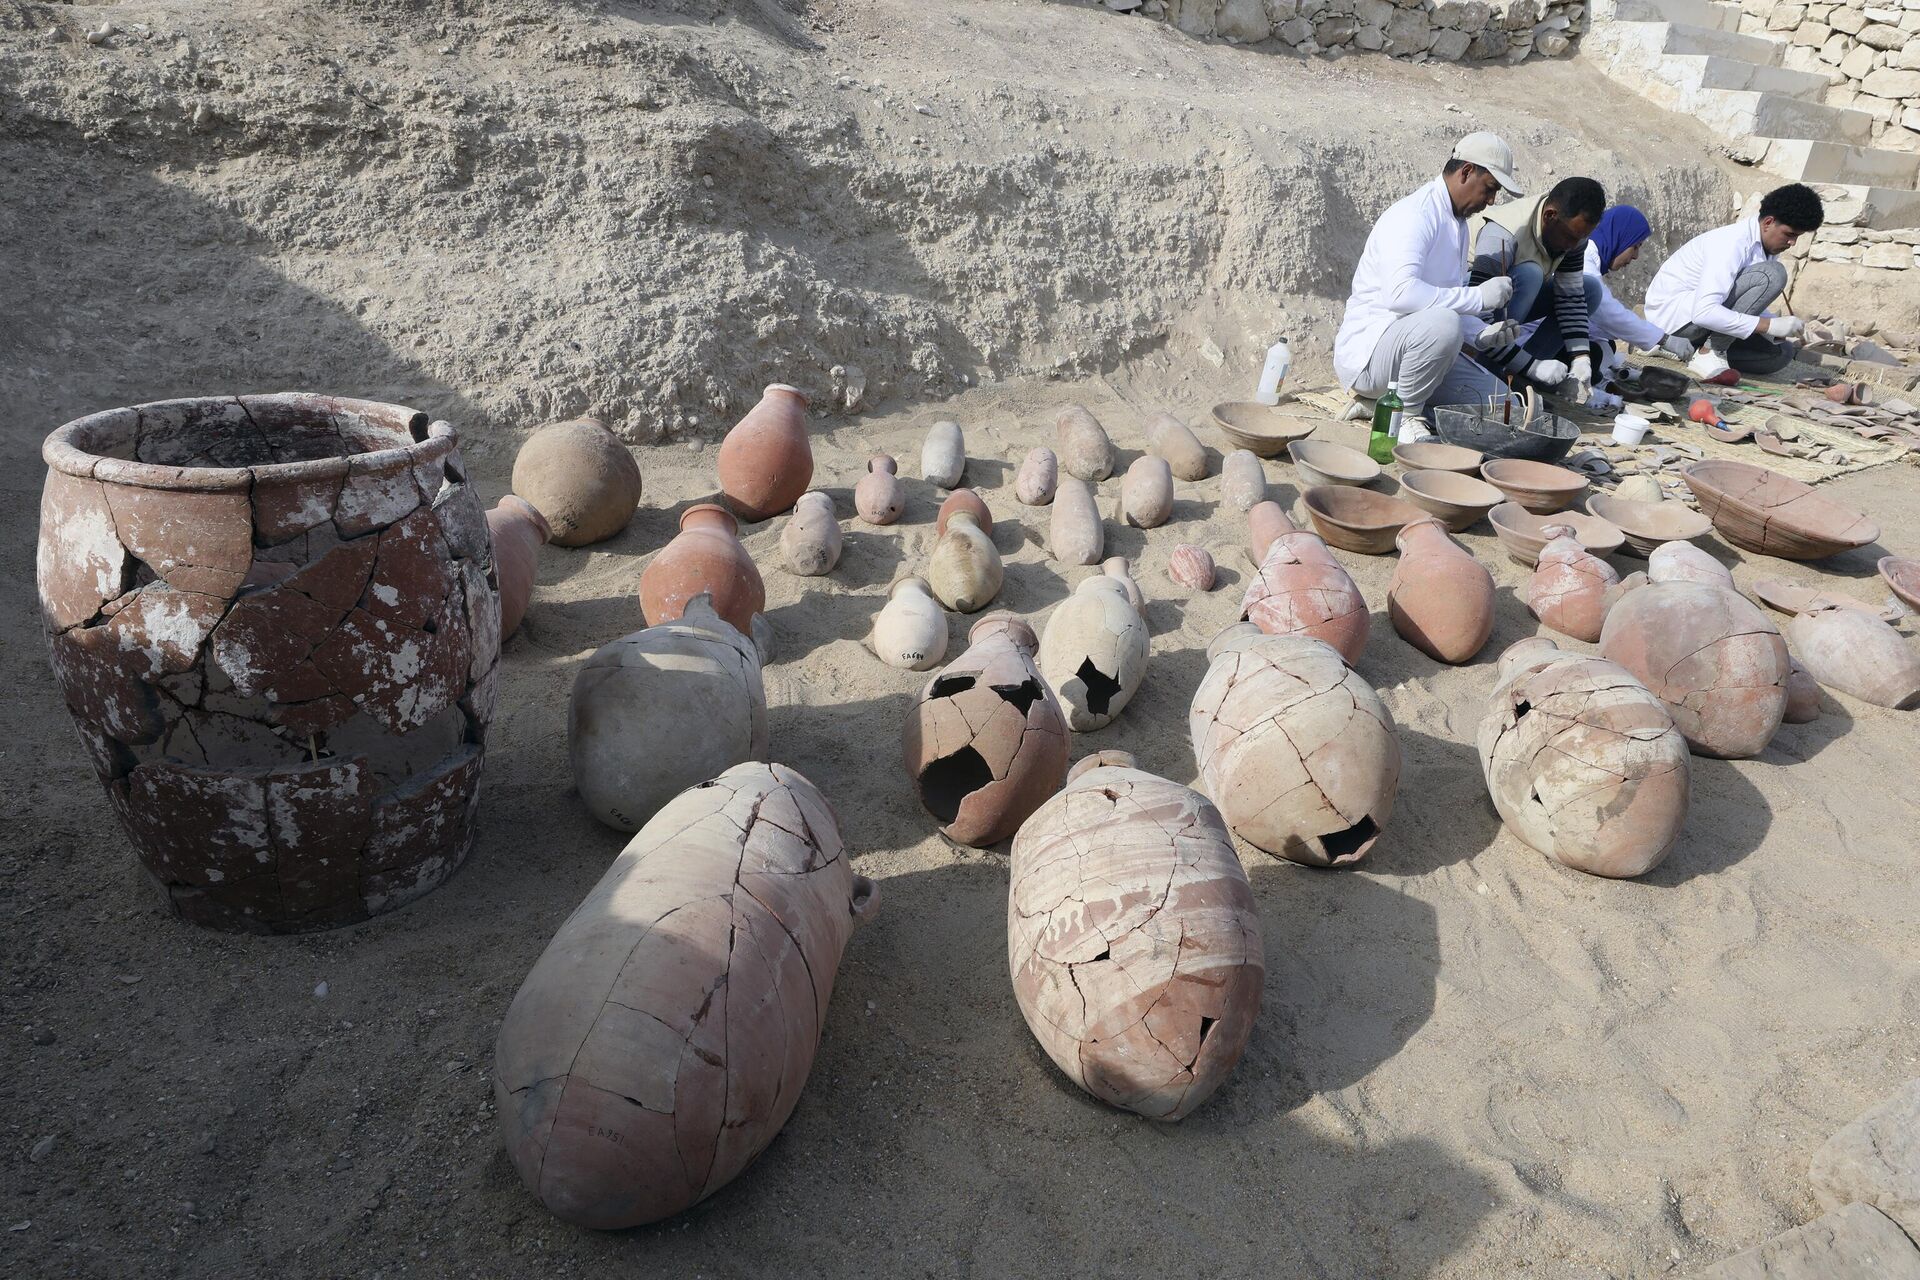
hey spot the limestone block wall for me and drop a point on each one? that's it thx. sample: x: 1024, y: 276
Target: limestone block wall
x: 1419, y: 30
x: 1869, y: 49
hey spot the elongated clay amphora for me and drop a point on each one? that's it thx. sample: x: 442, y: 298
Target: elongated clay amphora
x: 1441, y: 599
x: 766, y: 461
x: 911, y: 629
x: 705, y: 557
x: 518, y: 531
x: 1094, y: 652
x: 1568, y: 589
x: 1300, y: 589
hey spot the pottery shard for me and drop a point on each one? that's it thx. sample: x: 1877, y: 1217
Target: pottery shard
x: 82, y: 564
x: 1296, y: 749
x: 1568, y: 588
x: 265, y: 643
x: 207, y: 830
x: 402, y: 676
x: 1875, y: 1161
x: 1191, y: 566
x: 1074, y: 533
x: 103, y: 685
x: 1146, y: 493
x: 375, y: 495
x: 1583, y: 763
x: 1094, y: 653
x: 201, y: 542
x: 1243, y: 481
x: 986, y: 743
x: 663, y: 1037
x: 1085, y: 452
x: 427, y: 821
x: 1039, y: 474
x: 1856, y: 1243
x: 1172, y: 440
x: 1134, y: 940
x: 1856, y: 653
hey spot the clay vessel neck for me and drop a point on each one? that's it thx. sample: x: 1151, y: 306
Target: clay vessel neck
x: 1007, y: 625
x: 708, y: 516
x: 1424, y: 537
x: 883, y: 463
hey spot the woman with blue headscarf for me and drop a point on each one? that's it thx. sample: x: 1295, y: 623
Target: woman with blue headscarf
x: 1615, y: 242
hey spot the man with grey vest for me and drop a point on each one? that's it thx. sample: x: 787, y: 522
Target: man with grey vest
x: 1540, y: 245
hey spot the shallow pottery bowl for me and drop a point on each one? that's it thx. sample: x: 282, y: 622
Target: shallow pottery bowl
x: 1357, y: 519
x: 1260, y: 428
x: 1321, y: 462
x: 1903, y: 575
x: 1430, y: 455
x: 1540, y: 487
x: 1521, y: 532
x: 1460, y: 501
x: 1648, y: 524
x: 1763, y: 511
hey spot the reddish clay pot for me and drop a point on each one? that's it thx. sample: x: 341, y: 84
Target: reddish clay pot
x: 964, y: 500
x: 1441, y: 600
x: 275, y: 621
x: 1300, y: 589
x: 1568, y: 589
x: 880, y: 497
x: 765, y: 461
x: 704, y: 557
x: 519, y: 531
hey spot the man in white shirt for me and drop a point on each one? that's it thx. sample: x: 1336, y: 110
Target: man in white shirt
x: 1715, y: 290
x: 1411, y: 308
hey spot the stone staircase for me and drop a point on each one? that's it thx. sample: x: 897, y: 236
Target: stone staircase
x: 1689, y: 56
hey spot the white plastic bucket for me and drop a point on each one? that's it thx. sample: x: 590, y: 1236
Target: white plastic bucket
x: 1629, y: 428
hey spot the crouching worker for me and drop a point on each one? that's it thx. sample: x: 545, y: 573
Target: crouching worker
x: 1541, y: 246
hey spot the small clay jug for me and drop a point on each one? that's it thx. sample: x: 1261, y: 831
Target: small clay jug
x: 1568, y: 589
x: 1039, y: 473
x: 1074, y: 535
x: 1441, y: 599
x: 811, y: 540
x: 964, y: 500
x: 880, y: 497
x: 1146, y: 493
x: 704, y: 556
x: 965, y: 570
x: 519, y: 531
x: 766, y: 461
x: 1300, y: 589
x: 1085, y: 451
x: 1243, y: 481
x: 911, y: 629
x: 1191, y: 567
x: 943, y: 458
x: 1117, y: 568
x: 1170, y: 439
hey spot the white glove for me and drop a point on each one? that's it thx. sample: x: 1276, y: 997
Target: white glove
x: 1677, y: 347
x: 1580, y: 376
x: 1785, y: 326
x: 1605, y: 402
x: 1548, y: 373
x: 1495, y: 293
x: 1495, y: 336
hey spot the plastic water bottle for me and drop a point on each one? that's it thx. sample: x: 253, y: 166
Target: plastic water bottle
x: 1386, y: 425
x: 1274, y: 373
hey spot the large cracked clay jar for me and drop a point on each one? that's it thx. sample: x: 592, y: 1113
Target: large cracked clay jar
x: 275, y: 620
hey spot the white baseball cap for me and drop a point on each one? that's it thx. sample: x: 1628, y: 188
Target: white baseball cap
x: 1491, y: 153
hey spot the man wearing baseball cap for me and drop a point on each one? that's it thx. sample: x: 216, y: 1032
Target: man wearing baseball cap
x: 1411, y: 309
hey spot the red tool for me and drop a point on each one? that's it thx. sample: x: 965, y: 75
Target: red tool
x: 1702, y: 411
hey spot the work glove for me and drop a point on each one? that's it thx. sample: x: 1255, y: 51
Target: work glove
x: 1785, y: 327
x: 1605, y: 402
x: 1548, y: 373
x: 1495, y: 336
x: 1495, y: 293
x: 1580, y: 378
x: 1677, y: 347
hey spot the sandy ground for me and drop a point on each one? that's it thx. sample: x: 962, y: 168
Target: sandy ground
x: 1470, y: 1062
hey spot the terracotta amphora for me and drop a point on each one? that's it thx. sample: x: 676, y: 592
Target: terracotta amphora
x: 1243, y: 481
x: 518, y: 531
x: 943, y: 457
x: 579, y: 477
x: 965, y: 570
x: 1684, y: 562
x: 1085, y: 452
x: 1441, y: 599
x: 704, y: 557
x: 964, y: 500
x: 1039, y: 474
x: 1118, y: 568
x: 1854, y: 652
x: 1094, y: 652
x: 910, y: 631
x: 880, y: 497
x: 1568, y: 589
x: 1300, y: 589
x: 766, y: 461
x: 1171, y: 439
x: 1146, y: 493
x: 1074, y: 532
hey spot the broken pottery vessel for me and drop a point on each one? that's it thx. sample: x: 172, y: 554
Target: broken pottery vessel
x: 580, y: 478
x: 1710, y: 655
x: 1583, y: 763
x: 965, y: 570
x: 1094, y: 652
x: 911, y: 629
x: 692, y: 685
x: 1243, y: 481
x: 1441, y: 598
x: 964, y: 500
x: 1133, y: 939
x: 1171, y: 439
x: 1191, y: 567
x: 1568, y: 588
x: 987, y: 742
x: 811, y: 541
x: 1633, y: 581
x: 1085, y: 452
x: 943, y: 458
x: 1299, y: 588
x: 275, y: 621
x: 1803, y: 695
x: 663, y: 1037
x: 1296, y: 749
x: 1117, y: 568
x: 518, y: 531
x: 1074, y: 533
x: 1039, y: 473
x: 1146, y: 493
x: 705, y: 557
x: 766, y: 461
x: 1856, y: 653
x: 1684, y: 562
x: 880, y: 497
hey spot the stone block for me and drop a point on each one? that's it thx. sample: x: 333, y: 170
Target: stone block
x: 1819, y: 12
x: 1243, y: 20
x: 1837, y: 235
x: 1910, y: 22
x: 1857, y: 1243
x: 1910, y: 118
x: 1296, y: 32
x: 1813, y: 34
x: 1519, y: 15
x: 1372, y: 39
x: 1334, y: 31
x: 1487, y: 44
x: 1281, y: 12
x: 1889, y: 82
x: 1897, y: 257
x: 1786, y: 17
x: 1882, y: 36
x: 1195, y: 17
x: 1552, y: 44
x: 1373, y: 13
x: 1851, y: 21
x: 1858, y: 62
x: 1408, y: 32
x: 1461, y: 15
x: 1450, y: 45
x: 1883, y: 15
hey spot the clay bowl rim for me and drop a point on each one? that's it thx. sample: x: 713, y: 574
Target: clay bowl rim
x: 1404, y: 455
x: 1644, y: 544
x: 1318, y: 478
x: 1912, y: 601
x: 1517, y: 551
x: 1456, y: 516
x: 1263, y: 445
x: 1563, y: 497
x: 66, y: 449
x: 1704, y: 478
x: 1365, y: 539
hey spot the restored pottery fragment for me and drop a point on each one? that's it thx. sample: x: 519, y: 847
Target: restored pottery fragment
x: 766, y: 461
x: 1191, y: 567
x: 1441, y: 598
x: 1856, y: 653
x: 1684, y: 562
x: 1085, y: 452
x: 1243, y: 482
x: 1094, y: 652
x: 943, y: 458
x: 965, y: 571
x: 663, y: 709
x: 1039, y: 473
x: 1296, y: 749
x: 911, y: 629
x: 880, y: 497
x: 1568, y: 588
x: 518, y: 531
x: 1074, y: 533
x: 1146, y: 493
x: 987, y: 742
x: 1133, y: 939
x: 1763, y: 511
x: 1300, y: 589
x: 663, y: 1037
x: 1583, y: 763
x: 810, y: 542
x: 704, y: 558
x: 580, y: 478
x: 1171, y: 439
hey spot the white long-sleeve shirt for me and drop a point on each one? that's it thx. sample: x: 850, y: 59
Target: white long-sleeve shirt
x: 1613, y: 318
x: 1692, y: 286
x: 1416, y: 258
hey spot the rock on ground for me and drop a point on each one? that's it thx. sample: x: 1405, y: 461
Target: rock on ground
x: 1857, y: 1243
x: 1875, y: 1161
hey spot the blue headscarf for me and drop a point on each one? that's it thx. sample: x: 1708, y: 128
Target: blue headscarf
x: 1621, y: 227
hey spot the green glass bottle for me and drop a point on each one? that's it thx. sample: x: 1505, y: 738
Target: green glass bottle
x: 1386, y: 425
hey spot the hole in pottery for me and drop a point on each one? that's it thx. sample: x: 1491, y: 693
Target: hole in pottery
x: 417, y: 428
x: 1343, y: 844
x: 948, y: 781
x: 1521, y: 708
x: 1099, y: 685
x: 1022, y: 695
x: 1206, y: 1025
x: 947, y: 686
x: 1106, y: 953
